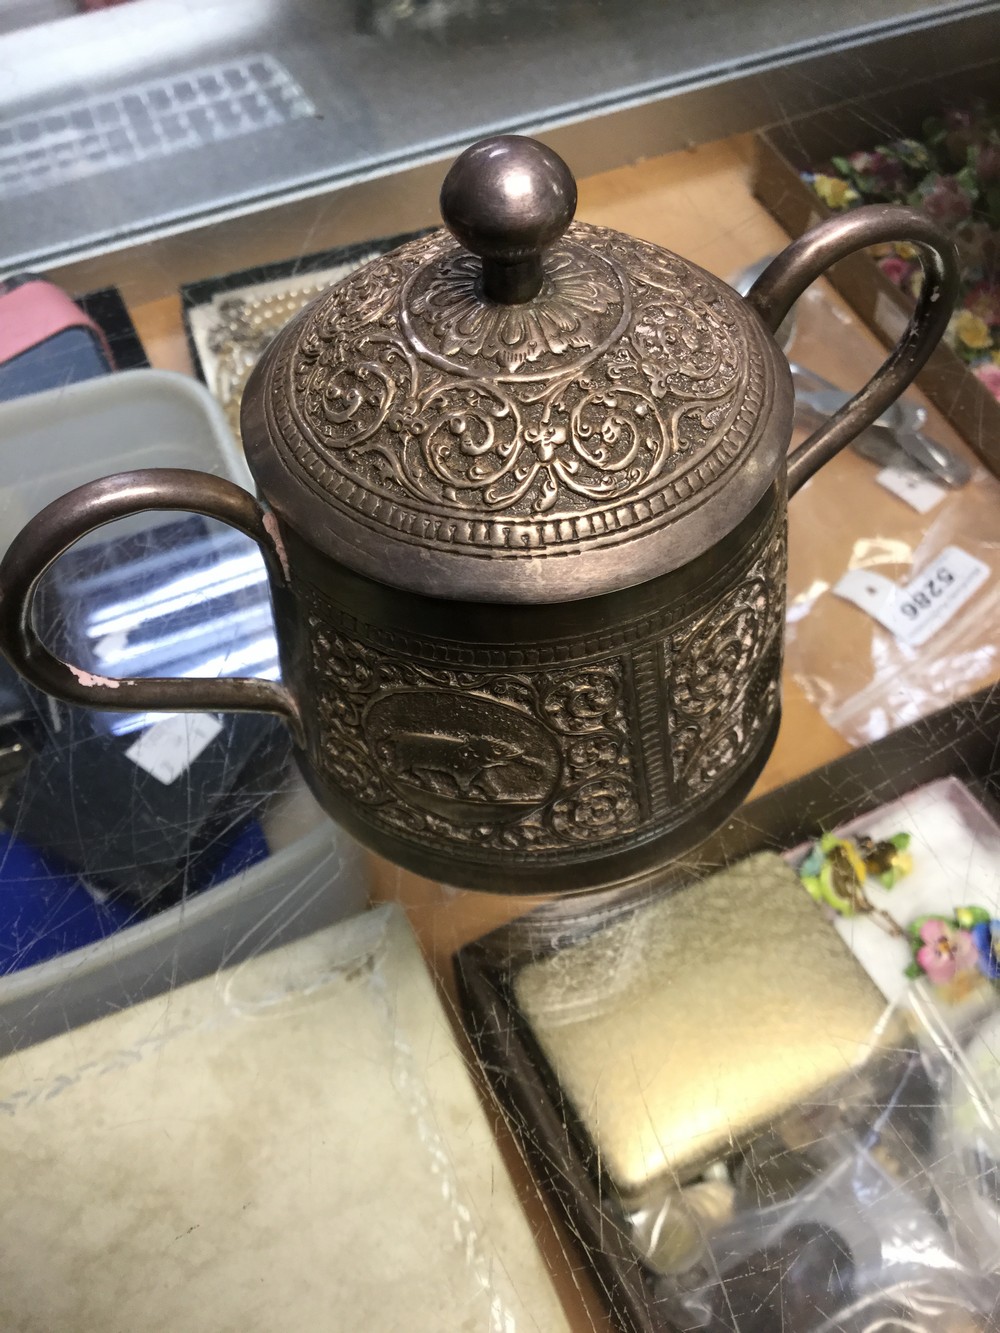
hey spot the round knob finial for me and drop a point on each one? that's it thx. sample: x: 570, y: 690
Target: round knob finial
x: 506, y: 199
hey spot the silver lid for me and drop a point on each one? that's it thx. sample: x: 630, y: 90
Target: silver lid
x: 545, y: 412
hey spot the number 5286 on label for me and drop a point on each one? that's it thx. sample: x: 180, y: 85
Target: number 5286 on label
x: 915, y: 610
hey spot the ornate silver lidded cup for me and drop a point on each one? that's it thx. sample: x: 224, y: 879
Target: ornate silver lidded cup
x: 522, y: 499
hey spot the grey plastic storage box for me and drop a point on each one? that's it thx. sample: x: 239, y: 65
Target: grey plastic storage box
x: 50, y: 443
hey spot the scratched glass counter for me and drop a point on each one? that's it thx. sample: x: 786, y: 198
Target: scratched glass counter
x: 296, y: 1132
x: 59, y: 1087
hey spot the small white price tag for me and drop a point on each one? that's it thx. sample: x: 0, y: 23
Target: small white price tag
x: 919, y: 493
x: 922, y: 606
x: 169, y: 748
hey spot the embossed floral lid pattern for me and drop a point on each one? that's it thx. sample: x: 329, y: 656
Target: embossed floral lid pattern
x: 630, y: 403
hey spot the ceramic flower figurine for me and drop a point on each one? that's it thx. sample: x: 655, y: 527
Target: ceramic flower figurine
x: 986, y: 937
x: 954, y: 952
x: 836, y: 869
x: 953, y: 176
x: 944, y: 950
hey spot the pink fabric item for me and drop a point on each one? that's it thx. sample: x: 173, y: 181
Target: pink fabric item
x: 36, y: 311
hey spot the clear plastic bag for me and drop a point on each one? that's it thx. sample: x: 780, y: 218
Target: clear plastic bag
x: 864, y: 681
x: 933, y: 1304
x: 964, y: 1066
x: 861, y: 1242
x: 872, y: 1210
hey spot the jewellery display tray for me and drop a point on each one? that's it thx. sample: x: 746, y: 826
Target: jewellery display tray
x: 961, y: 741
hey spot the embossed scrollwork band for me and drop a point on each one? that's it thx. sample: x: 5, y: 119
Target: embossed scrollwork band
x: 616, y: 398
x: 524, y: 765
